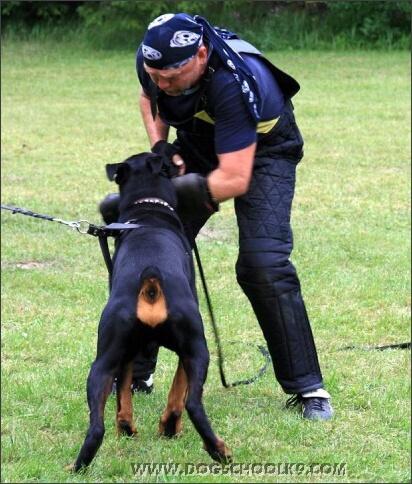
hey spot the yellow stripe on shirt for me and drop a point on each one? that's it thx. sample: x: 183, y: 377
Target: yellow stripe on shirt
x: 262, y: 127
x: 204, y: 117
x: 266, y: 126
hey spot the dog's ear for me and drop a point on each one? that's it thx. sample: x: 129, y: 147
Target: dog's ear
x: 163, y: 166
x: 155, y: 163
x: 117, y: 171
x: 111, y: 170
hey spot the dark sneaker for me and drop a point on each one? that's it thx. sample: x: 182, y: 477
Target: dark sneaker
x: 313, y: 407
x: 316, y: 408
x: 144, y: 386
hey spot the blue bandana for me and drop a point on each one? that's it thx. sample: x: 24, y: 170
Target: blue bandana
x: 172, y: 40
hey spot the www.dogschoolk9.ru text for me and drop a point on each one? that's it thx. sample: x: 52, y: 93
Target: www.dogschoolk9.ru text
x: 142, y: 469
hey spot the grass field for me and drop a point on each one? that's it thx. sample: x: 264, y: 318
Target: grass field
x: 64, y: 115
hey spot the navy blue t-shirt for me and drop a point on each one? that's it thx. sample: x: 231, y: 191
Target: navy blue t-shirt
x: 218, y: 110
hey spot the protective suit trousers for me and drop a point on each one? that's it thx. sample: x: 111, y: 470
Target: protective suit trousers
x: 268, y: 277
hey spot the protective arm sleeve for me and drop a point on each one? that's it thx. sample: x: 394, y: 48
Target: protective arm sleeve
x: 194, y: 199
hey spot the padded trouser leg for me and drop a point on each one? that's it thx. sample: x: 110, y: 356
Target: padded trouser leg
x: 285, y: 325
x: 269, y: 279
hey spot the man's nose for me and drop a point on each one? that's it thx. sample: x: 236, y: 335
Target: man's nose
x: 163, y: 84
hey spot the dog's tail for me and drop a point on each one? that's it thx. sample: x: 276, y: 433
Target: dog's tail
x: 151, y: 302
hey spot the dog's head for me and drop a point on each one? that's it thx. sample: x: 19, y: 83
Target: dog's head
x: 141, y: 176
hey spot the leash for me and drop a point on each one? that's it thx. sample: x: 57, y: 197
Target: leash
x: 73, y: 224
x: 84, y: 227
x: 262, y: 349
x: 400, y: 346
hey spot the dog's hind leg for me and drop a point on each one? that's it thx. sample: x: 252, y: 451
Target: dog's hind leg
x: 171, y: 420
x: 99, y: 385
x: 124, y: 413
x: 196, y: 369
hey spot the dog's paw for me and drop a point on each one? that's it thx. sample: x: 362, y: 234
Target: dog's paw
x: 126, y: 428
x: 75, y: 469
x: 171, y: 426
x: 220, y: 452
x: 220, y: 457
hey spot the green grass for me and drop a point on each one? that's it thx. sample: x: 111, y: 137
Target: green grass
x: 65, y: 114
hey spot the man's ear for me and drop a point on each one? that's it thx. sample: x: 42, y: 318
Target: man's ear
x: 117, y: 171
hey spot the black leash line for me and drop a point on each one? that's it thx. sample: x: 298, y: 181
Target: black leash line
x: 209, y: 305
x: 73, y: 224
x: 263, y: 350
x: 400, y: 346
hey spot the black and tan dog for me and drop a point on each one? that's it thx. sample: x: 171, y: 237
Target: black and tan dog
x: 152, y: 302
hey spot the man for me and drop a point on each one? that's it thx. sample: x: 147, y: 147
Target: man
x: 236, y: 138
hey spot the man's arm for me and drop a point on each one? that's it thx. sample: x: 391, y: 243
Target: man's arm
x: 232, y: 177
x: 156, y: 129
x: 199, y: 196
x: 229, y: 180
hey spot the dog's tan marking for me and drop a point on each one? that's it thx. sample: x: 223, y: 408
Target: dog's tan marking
x: 124, y: 410
x: 171, y: 421
x: 151, y: 303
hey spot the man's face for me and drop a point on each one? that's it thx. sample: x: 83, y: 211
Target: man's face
x: 175, y: 81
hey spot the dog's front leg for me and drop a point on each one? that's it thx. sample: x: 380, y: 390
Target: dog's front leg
x: 171, y: 421
x: 124, y: 413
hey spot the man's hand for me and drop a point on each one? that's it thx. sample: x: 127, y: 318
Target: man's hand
x: 194, y: 199
x: 169, y: 151
x: 163, y: 148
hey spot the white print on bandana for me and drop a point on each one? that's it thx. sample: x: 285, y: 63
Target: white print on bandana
x: 160, y: 20
x: 183, y: 38
x: 151, y: 54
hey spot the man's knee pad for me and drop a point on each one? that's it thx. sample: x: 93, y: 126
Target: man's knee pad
x: 267, y: 270
x: 109, y: 208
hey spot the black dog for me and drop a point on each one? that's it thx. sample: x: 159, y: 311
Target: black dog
x: 152, y: 302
